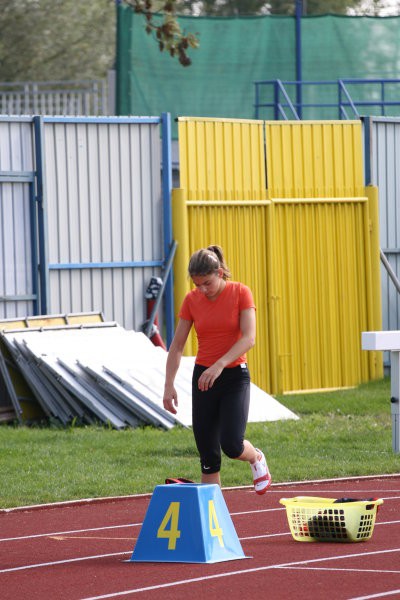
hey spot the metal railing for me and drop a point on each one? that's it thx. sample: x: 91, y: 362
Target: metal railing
x: 338, y: 99
x: 87, y: 97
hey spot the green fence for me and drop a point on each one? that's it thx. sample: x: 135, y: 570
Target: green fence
x: 237, y: 51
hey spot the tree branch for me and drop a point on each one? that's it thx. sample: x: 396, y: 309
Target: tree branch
x: 168, y: 32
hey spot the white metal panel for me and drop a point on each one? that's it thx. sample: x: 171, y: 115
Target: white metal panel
x: 385, y: 173
x: 104, y: 205
x: 15, y: 250
x: 16, y: 155
x: 16, y: 145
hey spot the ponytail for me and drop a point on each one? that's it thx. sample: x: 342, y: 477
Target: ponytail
x: 208, y: 260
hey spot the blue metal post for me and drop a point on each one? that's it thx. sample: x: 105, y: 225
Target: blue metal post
x: 257, y: 101
x: 276, y: 100
x: 299, y: 77
x: 34, y: 244
x: 42, y: 216
x: 167, y: 208
x: 367, y: 121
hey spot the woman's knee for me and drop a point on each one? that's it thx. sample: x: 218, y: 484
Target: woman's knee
x: 233, y: 449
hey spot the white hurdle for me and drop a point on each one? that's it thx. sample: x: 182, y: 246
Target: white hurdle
x: 388, y: 340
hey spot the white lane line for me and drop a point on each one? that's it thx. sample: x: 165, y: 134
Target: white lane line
x: 378, y: 595
x: 258, y: 510
x: 63, y: 562
x: 53, y: 533
x: 342, y: 569
x: 231, y: 573
x: 266, y: 535
x: 90, y: 538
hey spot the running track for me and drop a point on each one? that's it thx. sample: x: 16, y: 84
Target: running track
x: 79, y: 551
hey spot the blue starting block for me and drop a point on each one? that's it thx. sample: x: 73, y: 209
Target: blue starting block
x: 188, y: 523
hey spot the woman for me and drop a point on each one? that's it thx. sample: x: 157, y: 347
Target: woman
x: 223, y: 315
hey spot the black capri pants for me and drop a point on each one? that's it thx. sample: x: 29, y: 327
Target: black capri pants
x: 219, y: 416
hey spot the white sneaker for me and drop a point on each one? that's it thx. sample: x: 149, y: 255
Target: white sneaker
x: 261, y: 476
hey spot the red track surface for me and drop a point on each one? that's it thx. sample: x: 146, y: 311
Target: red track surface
x: 79, y: 551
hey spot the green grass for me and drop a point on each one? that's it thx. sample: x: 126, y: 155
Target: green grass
x: 342, y: 433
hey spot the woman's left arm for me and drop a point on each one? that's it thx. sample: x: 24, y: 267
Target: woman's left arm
x: 247, y: 341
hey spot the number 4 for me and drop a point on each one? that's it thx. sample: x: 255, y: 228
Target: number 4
x: 215, y: 529
x: 173, y: 533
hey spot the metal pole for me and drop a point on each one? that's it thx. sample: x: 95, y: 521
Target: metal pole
x: 42, y: 216
x: 390, y: 271
x: 167, y: 209
x: 299, y: 14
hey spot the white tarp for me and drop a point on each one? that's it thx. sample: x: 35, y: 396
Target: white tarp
x: 121, y: 372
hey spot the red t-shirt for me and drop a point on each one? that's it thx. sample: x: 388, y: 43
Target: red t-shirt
x: 217, y: 323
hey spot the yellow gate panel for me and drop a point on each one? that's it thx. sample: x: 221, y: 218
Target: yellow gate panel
x: 314, y: 159
x: 320, y: 282
x: 221, y: 159
x: 308, y: 246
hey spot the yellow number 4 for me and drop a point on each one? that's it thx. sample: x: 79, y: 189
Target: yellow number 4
x: 173, y: 533
x: 215, y: 529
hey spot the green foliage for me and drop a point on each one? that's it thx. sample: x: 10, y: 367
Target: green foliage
x: 56, y: 39
x: 167, y: 31
x: 343, y: 433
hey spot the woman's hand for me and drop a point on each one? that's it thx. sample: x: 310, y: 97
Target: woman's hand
x: 207, y: 378
x: 170, y: 400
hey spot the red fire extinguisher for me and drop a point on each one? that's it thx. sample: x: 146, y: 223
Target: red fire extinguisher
x: 151, y: 295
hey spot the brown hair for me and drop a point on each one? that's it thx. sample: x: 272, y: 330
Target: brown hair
x: 208, y: 260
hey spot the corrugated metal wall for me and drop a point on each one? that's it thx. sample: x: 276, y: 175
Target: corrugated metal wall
x: 307, y: 252
x: 314, y: 159
x: 322, y: 256
x: 104, y: 216
x: 382, y: 140
x: 17, y: 293
x: 90, y: 190
x: 221, y: 159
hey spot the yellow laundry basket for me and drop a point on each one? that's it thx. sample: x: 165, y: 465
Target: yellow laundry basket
x: 313, y: 519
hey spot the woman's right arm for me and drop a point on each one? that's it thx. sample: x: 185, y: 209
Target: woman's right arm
x: 175, y: 352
